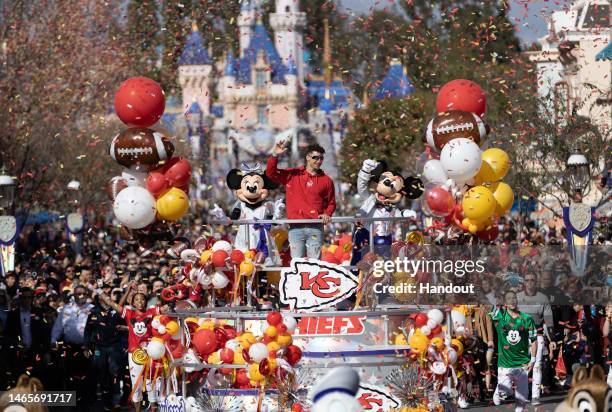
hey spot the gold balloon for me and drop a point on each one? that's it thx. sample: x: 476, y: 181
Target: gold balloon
x: 438, y: 342
x: 172, y: 205
x: 504, y: 197
x: 418, y: 342
x: 478, y: 204
x: 457, y: 343
x: 254, y: 373
x: 495, y: 165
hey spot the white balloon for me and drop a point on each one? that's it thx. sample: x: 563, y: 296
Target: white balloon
x: 219, y: 280
x: 452, y: 355
x: 135, y: 178
x: 161, y: 329
x: 458, y: 319
x: 232, y: 344
x: 431, y: 323
x: 436, y: 315
x: 222, y: 245
x: 155, y: 349
x: 258, y: 352
x: 426, y: 330
x: 433, y: 171
x: 206, y: 280
x: 461, y: 159
x: 134, y: 207
x: 290, y: 323
x: 155, y: 323
x: 438, y: 368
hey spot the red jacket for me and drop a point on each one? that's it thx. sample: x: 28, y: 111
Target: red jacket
x: 307, y: 196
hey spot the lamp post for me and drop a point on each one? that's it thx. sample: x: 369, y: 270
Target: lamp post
x: 578, y: 217
x: 74, y: 218
x: 8, y: 223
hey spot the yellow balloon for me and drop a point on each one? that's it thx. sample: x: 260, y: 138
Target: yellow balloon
x: 271, y: 331
x: 284, y: 339
x: 400, y: 339
x: 457, y: 343
x: 438, y: 342
x: 247, y: 268
x: 249, y: 255
x: 472, y: 225
x: 495, y: 165
x: 173, y: 204
x: 504, y: 197
x: 246, y: 339
x: 254, y: 373
x: 478, y: 204
x: 214, y: 358
x: 273, y: 346
x: 418, y: 342
x: 205, y: 256
x: 238, y: 358
x: 172, y: 327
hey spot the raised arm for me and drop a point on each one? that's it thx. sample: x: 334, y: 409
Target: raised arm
x: 364, y: 176
x: 109, y: 302
x: 279, y: 176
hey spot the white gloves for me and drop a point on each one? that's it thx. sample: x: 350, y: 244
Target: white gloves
x: 369, y: 165
x: 409, y: 214
x: 217, y: 213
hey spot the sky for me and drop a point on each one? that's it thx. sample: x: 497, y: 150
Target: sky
x: 528, y: 16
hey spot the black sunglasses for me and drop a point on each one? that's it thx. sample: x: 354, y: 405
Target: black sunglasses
x: 317, y: 157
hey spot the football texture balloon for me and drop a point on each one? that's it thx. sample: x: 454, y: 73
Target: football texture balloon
x: 141, y: 148
x: 454, y: 124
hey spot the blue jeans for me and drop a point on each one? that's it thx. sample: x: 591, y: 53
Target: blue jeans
x: 306, y: 241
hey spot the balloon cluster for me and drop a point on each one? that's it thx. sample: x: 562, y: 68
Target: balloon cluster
x: 213, y: 264
x: 339, y: 252
x: 154, y: 186
x: 427, y: 340
x: 463, y: 183
x: 267, y: 358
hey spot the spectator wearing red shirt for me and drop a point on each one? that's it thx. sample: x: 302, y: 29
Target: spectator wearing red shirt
x: 310, y: 194
x: 138, y: 319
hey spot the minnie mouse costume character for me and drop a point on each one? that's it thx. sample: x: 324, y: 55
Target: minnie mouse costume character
x: 383, y: 190
x: 252, y: 187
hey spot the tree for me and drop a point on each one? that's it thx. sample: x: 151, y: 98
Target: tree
x: 390, y: 130
x: 141, y: 38
x: 55, y: 98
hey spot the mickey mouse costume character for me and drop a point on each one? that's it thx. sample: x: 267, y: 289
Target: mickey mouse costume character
x: 252, y: 187
x: 383, y: 190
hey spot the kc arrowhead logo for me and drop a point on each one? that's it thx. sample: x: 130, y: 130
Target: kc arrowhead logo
x: 313, y: 284
x: 375, y: 398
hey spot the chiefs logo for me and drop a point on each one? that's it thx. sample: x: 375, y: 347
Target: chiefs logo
x: 376, y: 399
x: 314, y: 284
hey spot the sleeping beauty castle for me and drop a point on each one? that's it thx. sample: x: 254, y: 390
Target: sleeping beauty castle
x: 235, y: 109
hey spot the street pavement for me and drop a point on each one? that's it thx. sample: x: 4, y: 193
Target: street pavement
x: 548, y: 404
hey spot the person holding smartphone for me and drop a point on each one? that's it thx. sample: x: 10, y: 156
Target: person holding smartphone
x: 517, y: 349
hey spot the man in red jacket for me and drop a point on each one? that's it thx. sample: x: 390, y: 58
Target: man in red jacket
x: 309, y: 194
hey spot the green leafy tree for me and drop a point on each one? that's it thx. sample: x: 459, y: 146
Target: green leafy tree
x: 390, y: 130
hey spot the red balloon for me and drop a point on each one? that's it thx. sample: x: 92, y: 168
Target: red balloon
x: 204, y: 341
x: 230, y: 332
x: 227, y: 355
x: 281, y: 328
x: 296, y: 407
x: 440, y: 201
x: 219, y: 258
x: 242, y: 378
x: 489, y: 234
x: 274, y: 318
x: 179, y: 173
x: 236, y: 257
x: 329, y: 257
x: 293, y: 354
x: 463, y: 95
x: 420, y: 320
x: 156, y: 183
x: 176, y: 348
x: 140, y: 101
x: 436, y: 331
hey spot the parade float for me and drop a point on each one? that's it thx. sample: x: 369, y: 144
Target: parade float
x: 251, y: 329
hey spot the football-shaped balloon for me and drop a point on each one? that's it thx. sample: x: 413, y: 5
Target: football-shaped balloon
x: 141, y: 148
x: 140, y: 101
x: 156, y: 183
x: 463, y: 95
x: 453, y: 124
x: 115, y: 185
x: 178, y: 173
